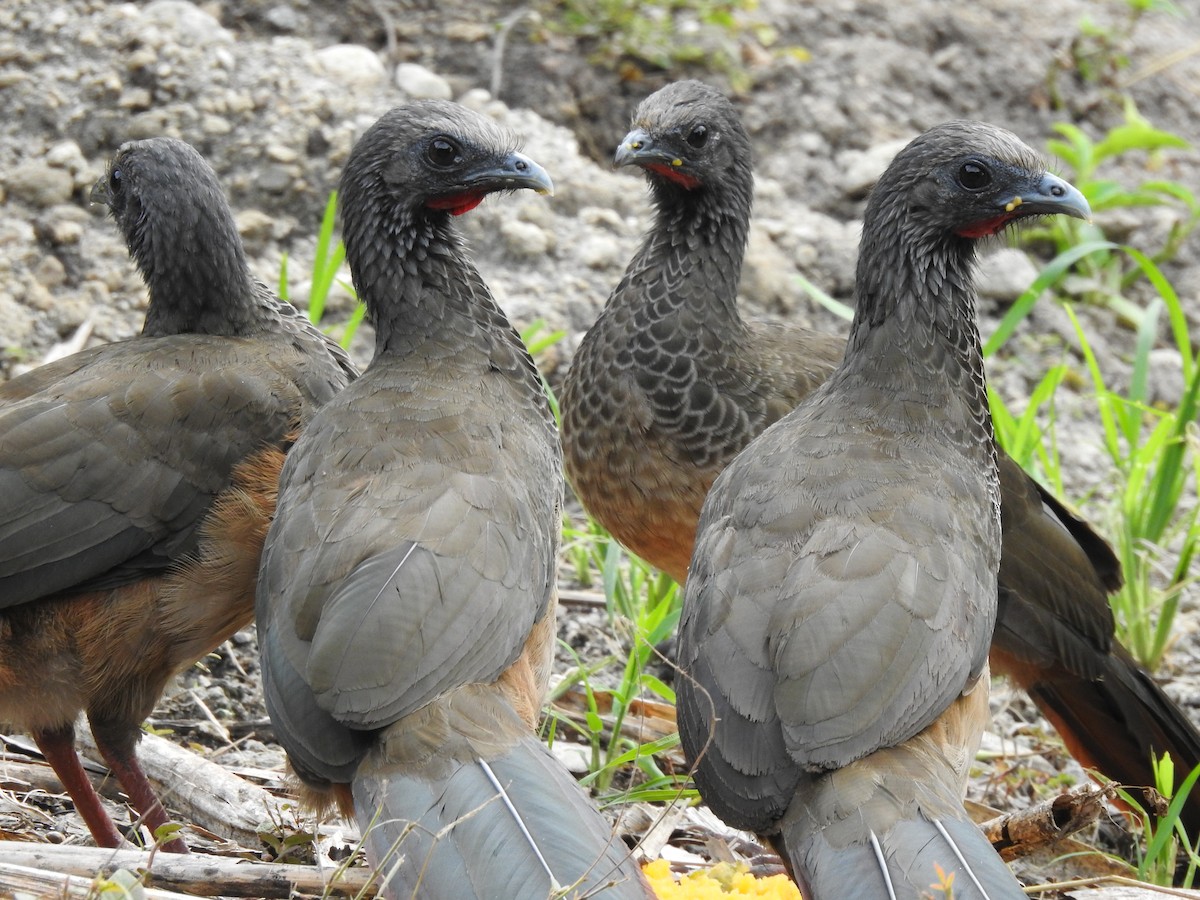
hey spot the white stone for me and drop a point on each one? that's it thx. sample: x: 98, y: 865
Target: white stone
x: 1005, y: 274
x: 351, y: 65
x: 524, y: 238
x: 190, y: 24
x: 862, y: 168
x: 421, y: 84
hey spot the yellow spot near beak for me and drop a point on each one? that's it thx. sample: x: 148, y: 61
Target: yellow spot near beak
x: 677, y: 162
x: 1013, y: 204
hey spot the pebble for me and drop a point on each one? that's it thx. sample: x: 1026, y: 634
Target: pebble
x: 351, y: 66
x: 861, y: 168
x: 67, y: 155
x: 600, y: 252
x: 1164, y: 377
x: 284, y: 18
x: 64, y: 224
x: 50, y: 272
x: 189, y: 24
x: 1005, y: 274
x: 38, y: 184
x: 524, y: 238
x: 254, y: 225
x: 63, y: 232
x: 421, y: 84
x: 275, y: 179
x: 16, y: 326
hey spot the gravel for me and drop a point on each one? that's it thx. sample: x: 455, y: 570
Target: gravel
x: 274, y: 95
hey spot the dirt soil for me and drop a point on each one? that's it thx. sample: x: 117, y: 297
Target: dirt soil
x: 274, y: 94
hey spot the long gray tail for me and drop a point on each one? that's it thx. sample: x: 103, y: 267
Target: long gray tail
x: 917, y: 859
x: 891, y: 826
x: 516, y: 827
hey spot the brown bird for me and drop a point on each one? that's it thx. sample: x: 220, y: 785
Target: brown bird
x: 842, y: 592
x: 407, y: 593
x: 671, y: 383
x: 138, y: 478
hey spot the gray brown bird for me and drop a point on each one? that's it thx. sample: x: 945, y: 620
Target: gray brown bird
x: 672, y: 382
x: 407, y: 595
x: 842, y: 592
x: 137, y: 478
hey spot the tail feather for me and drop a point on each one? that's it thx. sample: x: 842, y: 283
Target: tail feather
x: 916, y: 859
x: 1116, y: 723
x: 515, y: 826
x: 891, y: 826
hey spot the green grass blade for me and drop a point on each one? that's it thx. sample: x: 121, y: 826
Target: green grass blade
x: 329, y: 258
x: 1175, y: 312
x: 837, y: 307
x: 1053, y: 273
x: 1147, y: 336
x: 282, y: 290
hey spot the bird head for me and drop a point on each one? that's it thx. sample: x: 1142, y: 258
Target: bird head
x: 176, y: 222
x: 439, y: 157
x: 970, y: 180
x: 689, y: 136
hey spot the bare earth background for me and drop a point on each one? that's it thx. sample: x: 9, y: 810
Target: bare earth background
x: 275, y: 93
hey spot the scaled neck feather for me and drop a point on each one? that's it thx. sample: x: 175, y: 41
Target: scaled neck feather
x: 410, y: 268
x: 695, y: 250
x: 914, y: 335
x: 198, y: 279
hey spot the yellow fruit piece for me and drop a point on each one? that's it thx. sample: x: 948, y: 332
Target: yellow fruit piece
x: 721, y: 882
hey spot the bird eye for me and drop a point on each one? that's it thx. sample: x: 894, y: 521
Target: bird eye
x: 698, y: 136
x: 114, y: 179
x: 443, y: 153
x: 974, y: 176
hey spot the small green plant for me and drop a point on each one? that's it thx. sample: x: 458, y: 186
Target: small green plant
x: 1154, y: 451
x: 120, y: 885
x: 651, y: 31
x: 1163, y: 834
x: 288, y: 839
x: 661, y: 33
x: 1098, y: 55
x: 1103, y: 278
x: 643, y: 608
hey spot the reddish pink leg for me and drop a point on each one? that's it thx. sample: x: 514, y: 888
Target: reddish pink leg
x: 59, y: 749
x: 118, y: 746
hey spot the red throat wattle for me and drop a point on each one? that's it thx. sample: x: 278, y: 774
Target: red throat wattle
x: 987, y: 227
x: 457, y: 204
x: 680, y: 178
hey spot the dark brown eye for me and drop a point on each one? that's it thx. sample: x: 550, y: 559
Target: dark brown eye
x: 974, y: 176
x: 443, y: 153
x: 698, y: 136
x: 114, y: 180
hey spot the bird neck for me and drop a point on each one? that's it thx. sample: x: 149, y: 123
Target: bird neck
x: 694, y: 253
x: 423, y: 294
x: 204, y: 288
x: 914, y: 337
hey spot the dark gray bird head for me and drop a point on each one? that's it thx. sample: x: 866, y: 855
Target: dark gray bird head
x: 967, y: 180
x: 410, y: 172
x: 954, y: 184
x: 430, y: 159
x: 180, y: 232
x: 689, y: 139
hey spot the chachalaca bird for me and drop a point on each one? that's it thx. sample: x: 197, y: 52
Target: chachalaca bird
x: 407, y: 593
x: 137, y: 478
x: 671, y: 383
x: 842, y: 592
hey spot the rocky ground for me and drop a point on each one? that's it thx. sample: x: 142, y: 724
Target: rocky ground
x: 274, y: 94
